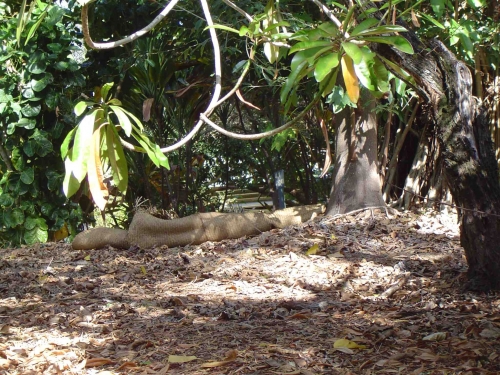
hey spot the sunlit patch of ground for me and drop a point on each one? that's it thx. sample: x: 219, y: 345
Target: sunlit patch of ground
x: 363, y: 294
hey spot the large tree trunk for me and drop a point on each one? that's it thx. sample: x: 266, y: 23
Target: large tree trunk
x: 356, y: 182
x: 470, y: 167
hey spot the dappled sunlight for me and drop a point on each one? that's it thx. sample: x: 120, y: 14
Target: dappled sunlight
x: 354, y: 294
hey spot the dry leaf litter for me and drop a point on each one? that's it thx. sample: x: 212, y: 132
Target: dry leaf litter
x: 360, y: 294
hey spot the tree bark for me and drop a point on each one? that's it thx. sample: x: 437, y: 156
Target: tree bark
x: 356, y: 182
x: 470, y: 168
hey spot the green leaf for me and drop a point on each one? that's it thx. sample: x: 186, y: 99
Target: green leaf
x: 80, y: 107
x: 310, y: 55
x: 28, y: 176
x: 26, y: 123
x: 329, y: 28
x: 353, y: 51
x: 325, y: 65
x: 36, y: 235
x: 433, y: 21
x: 386, y: 29
x: 117, y: 161
x: 310, y: 44
x: 81, y: 144
x: 66, y: 142
x: 42, y: 144
x: 31, y: 110
x: 123, y: 119
x: 42, y: 83
x: 438, y: 6
x: 16, y: 217
x: 35, y: 27
x: 61, y: 65
x: 70, y: 183
x: 363, y: 26
x: 397, y: 41
x: 291, y: 81
x: 37, y: 62
x: 28, y: 92
x: 53, y: 180
x: 17, y: 159
x: 105, y: 90
x: 6, y: 200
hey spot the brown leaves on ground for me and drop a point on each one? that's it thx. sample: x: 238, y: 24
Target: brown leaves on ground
x: 356, y: 295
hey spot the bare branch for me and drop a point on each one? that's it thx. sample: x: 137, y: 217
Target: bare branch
x: 251, y: 137
x: 218, y: 78
x: 130, y: 38
x: 329, y: 14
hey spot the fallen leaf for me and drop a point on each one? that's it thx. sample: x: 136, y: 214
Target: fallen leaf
x: 344, y: 343
x: 313, y: 249
x: 230, y: 357
x: 437, y: 336
x: 96, y: 362
x: 181, y: 358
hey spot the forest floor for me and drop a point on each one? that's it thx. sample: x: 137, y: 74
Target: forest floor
x: 360, y: 294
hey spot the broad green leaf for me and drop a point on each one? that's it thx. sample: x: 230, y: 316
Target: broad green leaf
x: 36, y: 235
x: 95, y: 172
x: 291, y: 81
x: 17, y: 217
x: 162, y: 158
x: 28, y: 176
x: 42, y: 145
x: 105, y: 90
x: 272, y: 52
x: 329, y: 28
x: 310, y: 44
x: 386, y: 29
x: 30, y: 110
x: 70, y: 183
x: 66, y: 142
x: 17, y: 159
x: 61, y: 65
x: 134, y: 118
x: 26, y: 123
x: 33, y: 222
x: 363, y: 26
x: 80, y: 107
x: 350, y: 79
x: 310, y: 55
x: 42, y: 83
x: 353, y: 51
x: 438, y: 6
x: 6, y: 200
x: 117, y: 161
x: 397, y: 41
x: 324, y: 65
x: 37, y: 63
x: 82, y: 143
x: 123, y: 119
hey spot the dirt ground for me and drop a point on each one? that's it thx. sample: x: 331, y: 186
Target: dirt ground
x: 361, y: 294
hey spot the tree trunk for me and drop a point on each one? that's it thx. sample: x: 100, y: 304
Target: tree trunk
x: 470, y: 168
x: 356, y: 182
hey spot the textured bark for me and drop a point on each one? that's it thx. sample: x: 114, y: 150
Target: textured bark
x: 470, y: 167
x: 356, y: 182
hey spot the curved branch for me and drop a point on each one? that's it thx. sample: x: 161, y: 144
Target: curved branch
x: 130, y: 38
x: 252, y: 137
x: 218, y: 87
